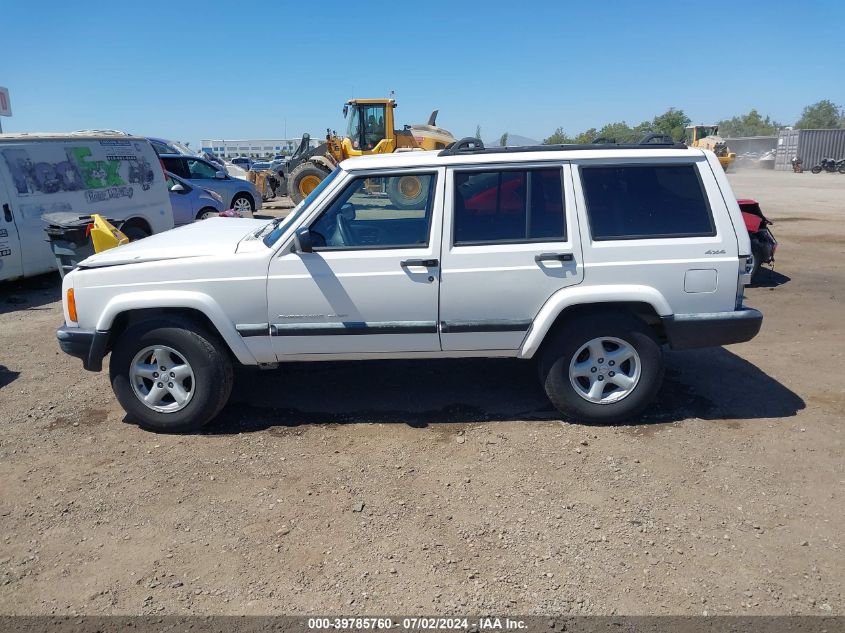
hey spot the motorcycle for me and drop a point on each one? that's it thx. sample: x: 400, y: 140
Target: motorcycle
x: 830, y: 165
x: 763, y: 243
x: 797, y: 165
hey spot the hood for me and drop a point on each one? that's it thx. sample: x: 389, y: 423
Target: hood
x: 215, y: 236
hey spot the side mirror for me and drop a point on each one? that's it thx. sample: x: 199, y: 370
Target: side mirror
x: 302, y: 239
x: 220, y: 175
x: 177, y: 188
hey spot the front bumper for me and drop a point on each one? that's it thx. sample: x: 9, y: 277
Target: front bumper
x: 87, y: 345
x: 711, y: 329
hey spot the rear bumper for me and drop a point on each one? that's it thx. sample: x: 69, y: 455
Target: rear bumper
x: 87, y: 345
x: 688, y: 331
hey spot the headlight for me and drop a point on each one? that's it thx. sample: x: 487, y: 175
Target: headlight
x: 214, y: 195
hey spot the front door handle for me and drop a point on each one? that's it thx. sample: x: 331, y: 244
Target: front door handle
x: 428, y: 263
x: 553, y: 257
x: 7, y: 213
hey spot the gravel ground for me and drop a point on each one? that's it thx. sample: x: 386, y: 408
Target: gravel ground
x: 446, y: 487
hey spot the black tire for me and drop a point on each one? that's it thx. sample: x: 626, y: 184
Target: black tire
x: 568, y: 340
x: 303, y: 175
x: 407, y: 192
x: 207, y: 357
x: 135, y: 232
x: 842, y: 168
x: 243, y: 197
x: 817, y: 169
x: 206, y: 213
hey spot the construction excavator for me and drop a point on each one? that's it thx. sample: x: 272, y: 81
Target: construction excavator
x: 370, y: 129
x: 707, y: 137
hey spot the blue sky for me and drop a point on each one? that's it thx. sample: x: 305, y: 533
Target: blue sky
x: 244, y: 70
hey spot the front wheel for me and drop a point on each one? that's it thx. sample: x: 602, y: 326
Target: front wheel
x: 303, y: 180
x: 817, y: 169
x: 602, y: 368
x: 243, y: 204
x: 208, y: 212
x: 170, y: 377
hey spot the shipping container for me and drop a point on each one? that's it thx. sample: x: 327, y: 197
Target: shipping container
x: 753, y: 144
x: 810, y: 146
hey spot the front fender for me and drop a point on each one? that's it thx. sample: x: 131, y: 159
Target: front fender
x: 179, y: 299
x: 587, y: 295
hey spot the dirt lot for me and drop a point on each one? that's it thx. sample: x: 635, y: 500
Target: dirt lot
x: 443, y: 487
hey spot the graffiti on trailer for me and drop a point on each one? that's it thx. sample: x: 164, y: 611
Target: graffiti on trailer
x: 101, y: 195
x: 75, y: 173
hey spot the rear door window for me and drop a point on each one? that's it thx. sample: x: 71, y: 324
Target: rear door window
x: 176, y: 166
x: 509, y: 206
x: 646, y: 201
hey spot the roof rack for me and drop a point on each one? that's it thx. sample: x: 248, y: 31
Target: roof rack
x: 472, y: 145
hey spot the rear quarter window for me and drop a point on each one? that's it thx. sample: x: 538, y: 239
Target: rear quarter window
x: 627, y: 202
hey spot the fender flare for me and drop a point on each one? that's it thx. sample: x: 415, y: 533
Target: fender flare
x: 325, y: 161
x: 591, y: 295
x: 179, y: 299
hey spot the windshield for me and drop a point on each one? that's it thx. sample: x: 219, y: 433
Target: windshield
x: 274, y: 229
x: 353, y: 127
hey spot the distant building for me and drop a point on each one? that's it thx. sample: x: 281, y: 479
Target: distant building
x: 253, y: 148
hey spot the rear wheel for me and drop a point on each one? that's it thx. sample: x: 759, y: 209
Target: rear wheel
x: 134, y: 232
x: 303, y: 180
x: 602, y: 368
x: 407, y: 192
x: 170, y: 377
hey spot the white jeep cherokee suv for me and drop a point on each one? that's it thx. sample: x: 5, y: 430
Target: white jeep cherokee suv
x: 587, y: 258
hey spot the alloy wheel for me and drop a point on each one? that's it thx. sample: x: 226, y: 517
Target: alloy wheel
x: 162, y: 379
x: 605, y: 370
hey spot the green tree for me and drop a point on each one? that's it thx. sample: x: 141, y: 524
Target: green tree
x: 478, y: 132
x: 503, y: 140
x: 822, y: 115
x: 585, y: 137
x: 751, y: 124
x: 558, y: 137
x: 619, y: 132
x: 671, y: 122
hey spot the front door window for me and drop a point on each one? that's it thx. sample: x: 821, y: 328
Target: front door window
x: 378, y: 212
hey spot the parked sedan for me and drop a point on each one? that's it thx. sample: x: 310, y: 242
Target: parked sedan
x: 163, y: 146
x: 240, y: 195
x: 191, y: 203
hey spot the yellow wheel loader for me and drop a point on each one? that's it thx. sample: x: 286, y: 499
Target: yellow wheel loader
x: 370, y: 129
x: 707, y: 137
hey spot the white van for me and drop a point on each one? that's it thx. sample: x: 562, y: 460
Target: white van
x: 119, y: 177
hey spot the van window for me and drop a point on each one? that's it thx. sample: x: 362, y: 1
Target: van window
x: 509, y: 206
x: 646, y: 201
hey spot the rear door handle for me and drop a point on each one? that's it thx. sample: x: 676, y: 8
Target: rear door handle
x: 428, y: 263
x: 554, y: 257
x: 7, y: 213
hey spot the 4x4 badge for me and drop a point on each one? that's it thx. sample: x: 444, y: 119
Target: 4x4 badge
x: 712, y: 252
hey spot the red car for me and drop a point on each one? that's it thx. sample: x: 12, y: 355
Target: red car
x: 763, y: 243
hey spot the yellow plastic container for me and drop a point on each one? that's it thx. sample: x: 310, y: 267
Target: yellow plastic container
x: 104, y: 235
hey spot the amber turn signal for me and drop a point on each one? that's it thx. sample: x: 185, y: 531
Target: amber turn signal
x: 71, y: 305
